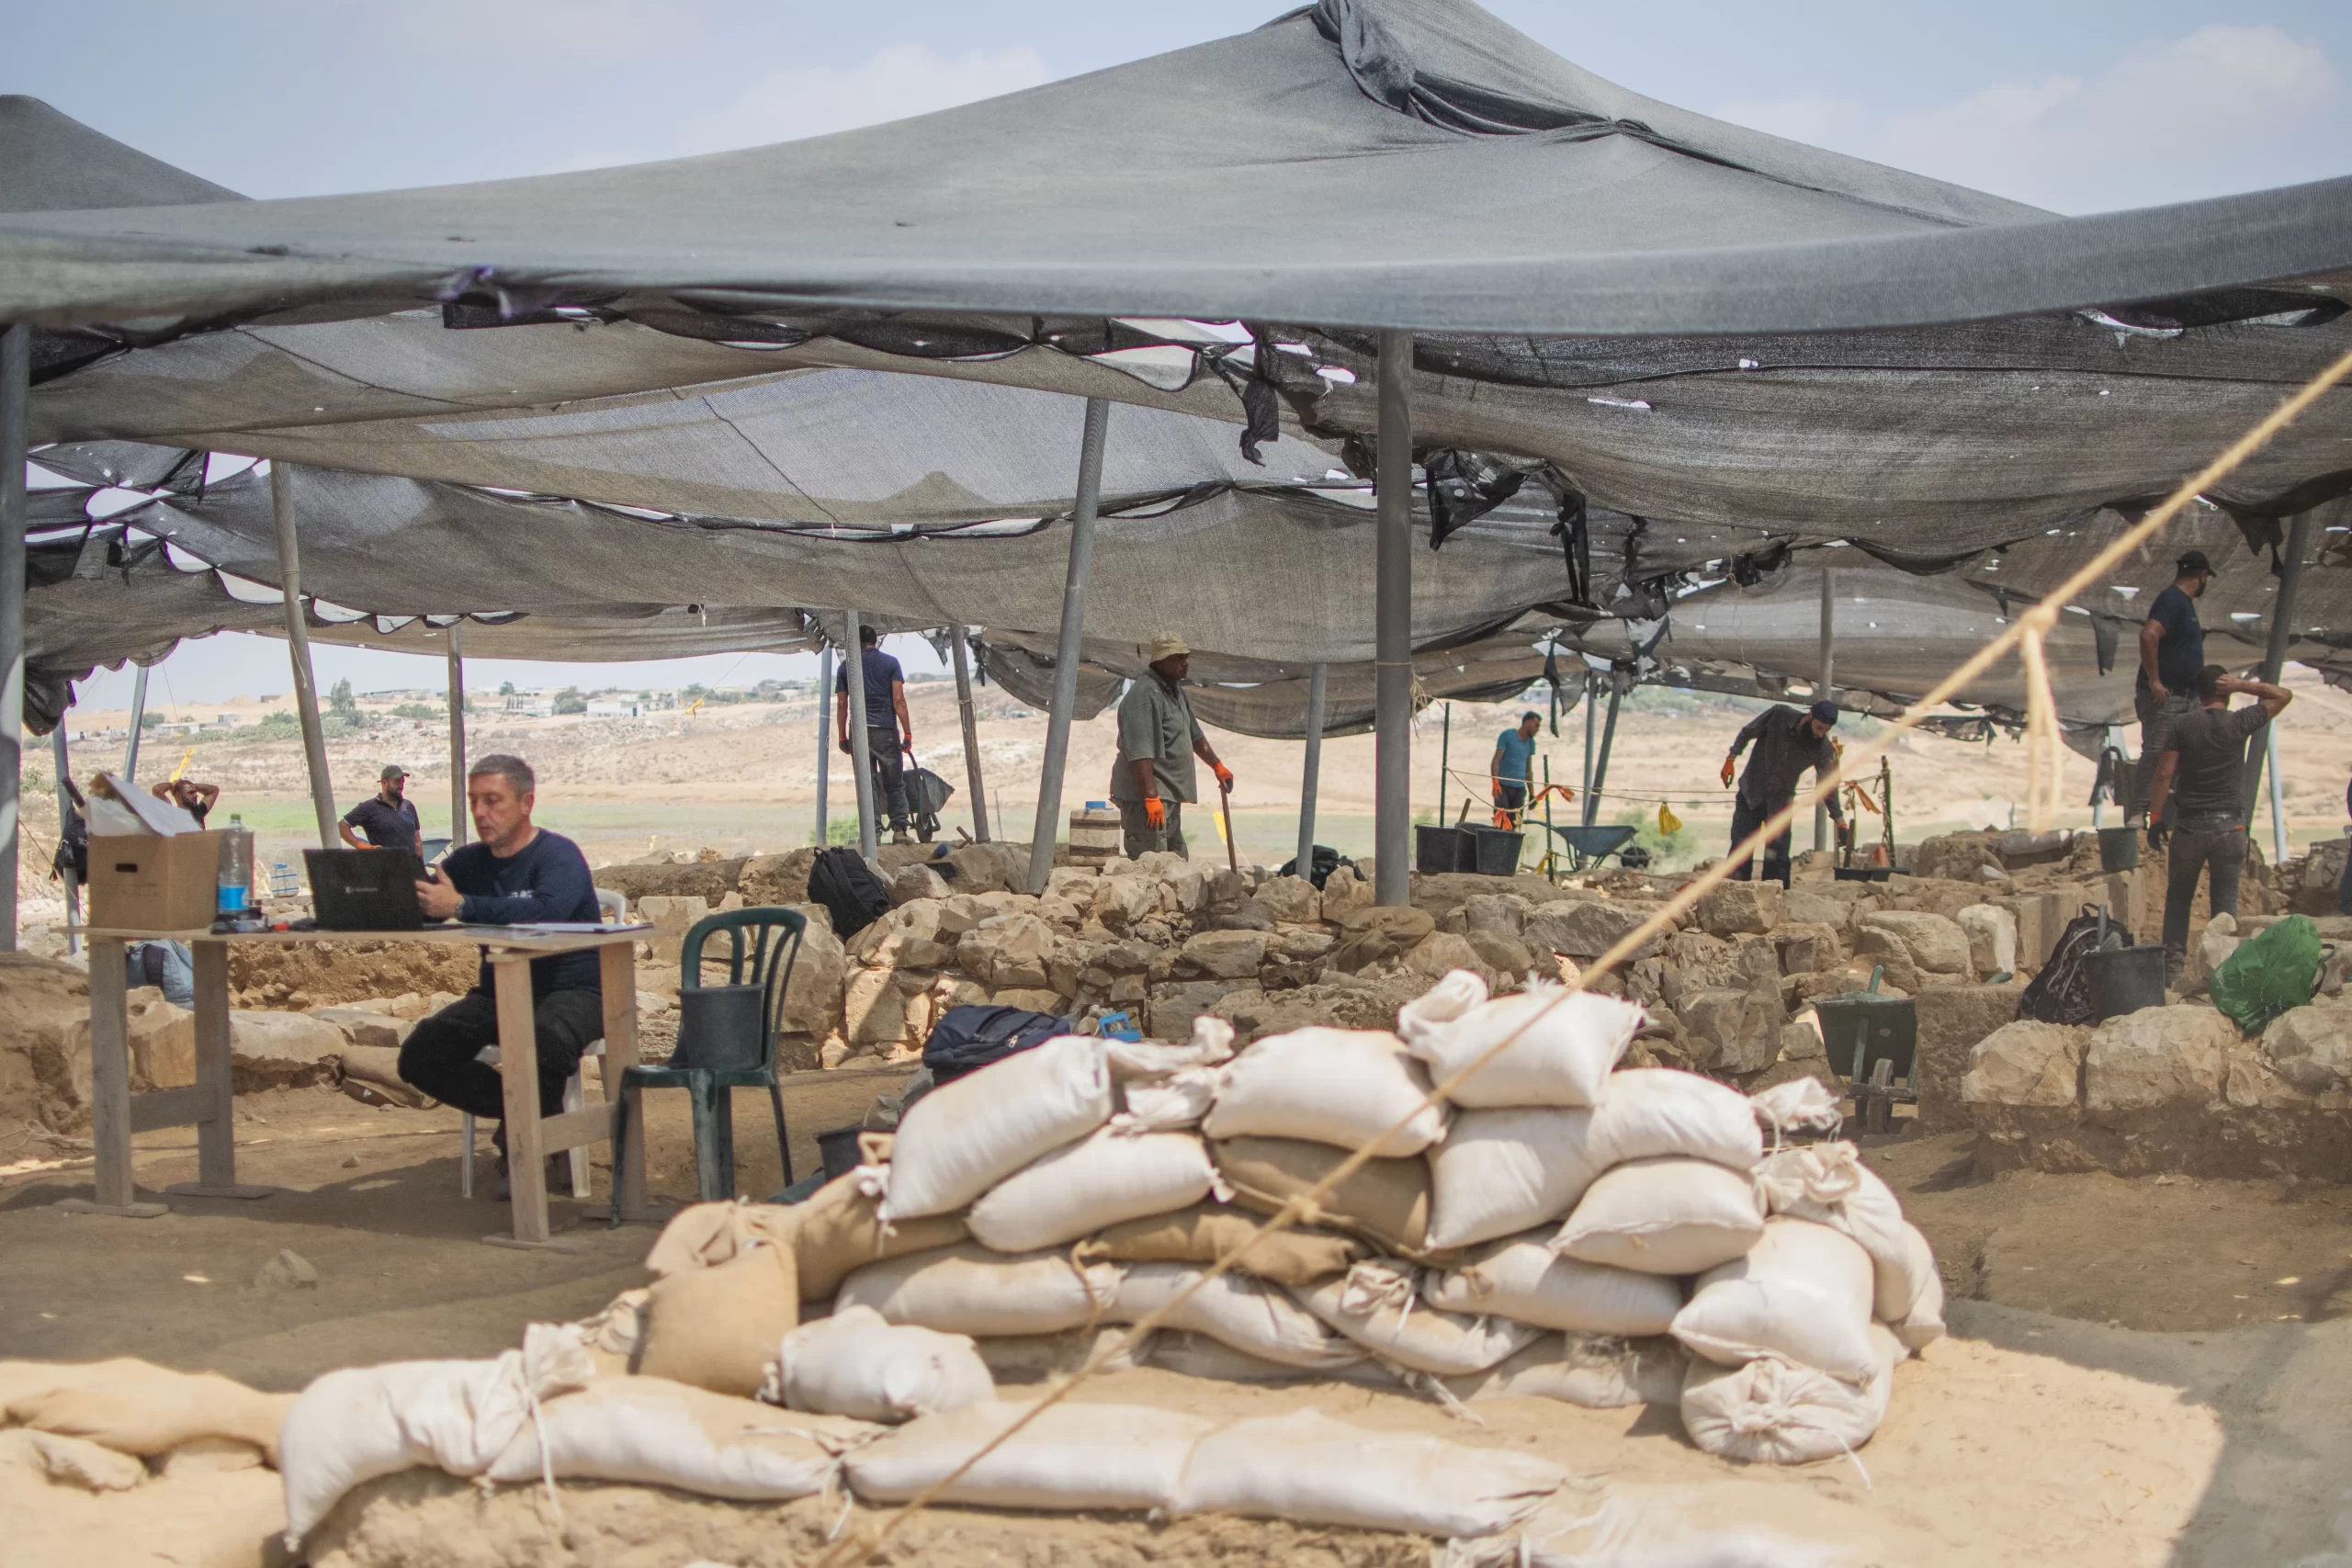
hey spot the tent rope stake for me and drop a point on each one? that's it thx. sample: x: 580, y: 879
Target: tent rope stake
x: 1304, y: 1206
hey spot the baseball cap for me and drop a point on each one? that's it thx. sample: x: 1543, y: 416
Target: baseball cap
x: 2195, y: 561
x: 1165, y: 648
x: 391, y: 770
x: 1826, y: 711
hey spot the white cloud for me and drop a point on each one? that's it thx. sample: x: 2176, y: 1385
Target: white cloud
x: 2217, y: 109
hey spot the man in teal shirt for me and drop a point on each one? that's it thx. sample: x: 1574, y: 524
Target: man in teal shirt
x: 1514, y: 754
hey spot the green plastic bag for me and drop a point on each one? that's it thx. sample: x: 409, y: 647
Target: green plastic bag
x: 2268, y: 974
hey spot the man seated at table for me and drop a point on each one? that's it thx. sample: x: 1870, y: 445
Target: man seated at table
x: 514, y: 874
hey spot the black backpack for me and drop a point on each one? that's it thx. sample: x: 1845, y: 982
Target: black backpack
x: 853, y: 896
x: 967, y: 1039
x: 2062, y: 992
x: 1327, y: 859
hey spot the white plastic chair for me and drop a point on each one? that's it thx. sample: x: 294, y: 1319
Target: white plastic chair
x: 613, y: 909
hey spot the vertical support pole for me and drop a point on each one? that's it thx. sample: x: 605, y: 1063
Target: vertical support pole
x: 1066, y: 647
x: 138, y: 721
x: 824, y: 743
x: 861, y: 754
x: 1392, y: 812
x: 66, y: 811
x: 1601, y: 763
x: 2098, y: 802
x: 1591, y: 716
x: 298, y: 649
x: 2278, y: 799
x: 1311, y: 779
x: 1445, y: 765
x: 15, y: 416
x: 972, y: 779
x: 457, y: 812
x: 1824, y: 688
x: 216, y: 1137
x: 2274, y: 653
x: 109, y: 1072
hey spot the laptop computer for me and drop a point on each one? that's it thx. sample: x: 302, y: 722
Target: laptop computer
x: 364, y: 890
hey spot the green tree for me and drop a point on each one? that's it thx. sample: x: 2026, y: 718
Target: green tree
x: 342, y: 704
x: 569, y: 700
x: 506, y: 688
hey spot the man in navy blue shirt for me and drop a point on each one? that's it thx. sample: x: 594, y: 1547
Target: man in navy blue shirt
x: 388, y: 818
x: 886, y: 722
x: 514, y: 875
x: 2172, y: 658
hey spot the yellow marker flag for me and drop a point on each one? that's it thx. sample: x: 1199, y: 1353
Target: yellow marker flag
x: 184, y: 762
x: 1667, y: 823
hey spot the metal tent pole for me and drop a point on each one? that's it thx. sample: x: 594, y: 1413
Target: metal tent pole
x: 2274, y: 653
x: 297, y: 648
x: 1391, y: 816
x: 972, y: 779
x: 861, y: 754
x: 16, y: 417
x: 457, y: 812
x: 824, y: 741
x: 2099, y: 800
x: 1601, y: 763
x: 2278, y: 800
x: 1067, y: 646
x: 1445, y: 761
x: 64, y: 811
x: 1825, y: 688
x: 1591, y: 716
x: 1311, y: 780
x: 138, y: 720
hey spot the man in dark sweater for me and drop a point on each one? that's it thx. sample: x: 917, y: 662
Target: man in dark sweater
x: 1787, y: 741
x: 516, y: 873
x: 2203, y: 769
x: 2172, y: 652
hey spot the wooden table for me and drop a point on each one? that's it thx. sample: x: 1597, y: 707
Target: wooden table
x: 208, y: 1104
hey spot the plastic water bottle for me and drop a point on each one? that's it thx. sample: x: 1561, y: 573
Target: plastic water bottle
x: 236, y: 867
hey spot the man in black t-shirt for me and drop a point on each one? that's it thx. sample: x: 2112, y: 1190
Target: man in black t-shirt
x: 2172, y: 653
x: 516, y: 873
x: 889, y: 731
x: 2202, y: 775
x: 388, y: 818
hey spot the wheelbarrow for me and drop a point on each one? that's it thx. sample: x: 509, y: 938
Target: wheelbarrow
x: 1590, y: 846
x: 1879, y: 1036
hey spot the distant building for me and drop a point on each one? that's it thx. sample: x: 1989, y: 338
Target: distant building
x: 613, y: 707
x: 530, y: 705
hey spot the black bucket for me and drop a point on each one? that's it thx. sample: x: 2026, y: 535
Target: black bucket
x: 1494, y: 851
x: 2125, y: 980
x: 719, y: 1026
x: 2119, y: 849
x: 1443, y: 849
x: 839, y: 1150
x: 1863, y: 872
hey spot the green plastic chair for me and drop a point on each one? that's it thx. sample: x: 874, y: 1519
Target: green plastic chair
x: 726, y: 1038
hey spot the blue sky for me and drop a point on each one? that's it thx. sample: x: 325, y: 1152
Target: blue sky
x: 2076, y: 105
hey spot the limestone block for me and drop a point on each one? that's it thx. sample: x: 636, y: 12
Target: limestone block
x: 984, y: 868
x: 874, y: 1009
x: 281, y: 1050
x: 1815, y: 907
x: 1503, y: 913
x: 1223, y: 955
x: 2211, y: 949
x: 813, y: 998
x: 1884, y: 950
x: 1736, y: 907
x: 365, y: 1027
x: 1061, y: 914
x: 1377, y: 935
x: 1807, y: 947
x: 1733, y: 1032
x: 1801, y: 1042
x: 163, y: 1040
x: 1586, y: 928
x: 1119, y: 902
x: 1952, y: 1018
x: 2026, y: 909
x: 1935, y: 944
x: 1291, y: 901
x: 1030, y: 999
x: 1992, y: 939
x: 777, y: 880
x: 2157, y: 1056
x: 1007, y: 951
x: 1077, y: 883
x: 912, y: 882
x: 1344, y: 893
x: 1443, y: 952
x: 1504, y: 955
x: 2310, y: 1048
x: 2027, y: 1062
x: 1159, y: 864
x: 1169, y: 1014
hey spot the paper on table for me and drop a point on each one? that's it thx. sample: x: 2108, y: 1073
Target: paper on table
x: 155, y: 816
x: 566, y: 928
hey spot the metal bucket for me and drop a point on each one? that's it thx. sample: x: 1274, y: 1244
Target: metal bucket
x: 838, y: 1148
x: 2125, y: 980
x: 2119, y: 849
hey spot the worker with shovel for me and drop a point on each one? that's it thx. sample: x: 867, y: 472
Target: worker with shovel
x: 1152, y: 778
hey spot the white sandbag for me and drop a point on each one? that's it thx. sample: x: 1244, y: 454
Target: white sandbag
x: 1134, y: 1061
x: 1502, y: 1171
x: 1307, y: 1467
x: 1173, y: 1104
x: 1664, y: 1217
x: 856, y: 1363
x: 1923, y: 1324
x: 1198, y: 1356
x: 1033, y: 1358
x: 1441, y: 1007
x: 1236, y: 1310
x: 964, y: 1137
x: 1829, y: 1184
x: 1596, y: 1371
x: 1658, y: 1113
x: 1802, y: 1294
x: 652, y: 1432
x: 1342, y: 1087
x: 1800, y: 1105
x: 1522, y: 1278
x: 1769, y: 1412
x: 1072, y: 1456
x: 359, y: 1423
x: 1561, y: 1047
x: 970, y: 1290
x: 1374, y: 1303
x: 1100, y: 1180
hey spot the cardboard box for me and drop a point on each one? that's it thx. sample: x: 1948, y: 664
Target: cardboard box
x: 154, y: 882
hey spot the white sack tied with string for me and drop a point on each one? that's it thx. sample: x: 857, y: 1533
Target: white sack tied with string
x: 1800, y: 1105
x: 964, y: 1137
x: 857, y: 1363
x: 1102, y: 1180
x: 1502, y: 1171
x: 1596, y: 1371
x: 1664, y: 1217
x: 1522, y: 1278
x: 357, y: 1423
x: 1661, y: 1113
x: 652, y: 1432
x: 1072, y: 1456
x: 1377, y: 1305
x: 970, y: 1290
x: 1148, y: 1061
x: 1829, y: 1184
x: 1802, y: 1294
x: 1176, y: 1103
x: 1307, y: 1467
x: 1563, y: 1044
x: 1342, y: 1087
x: 1238, y: 1310
x: 1922, y: 1323
x: 1770, y: 1412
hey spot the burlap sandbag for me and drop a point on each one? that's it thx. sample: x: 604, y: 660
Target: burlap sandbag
x: 718, y: 1329
x: 1388, y: 1202
x: 1210, y: 1233
x: 134, y: 1407
x: 838, y: 1231
x: 703, y: 1236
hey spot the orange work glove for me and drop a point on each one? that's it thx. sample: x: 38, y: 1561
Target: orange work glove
x: 1223, y: 776
x: 1155, y: 813
x: 1728, y: 769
